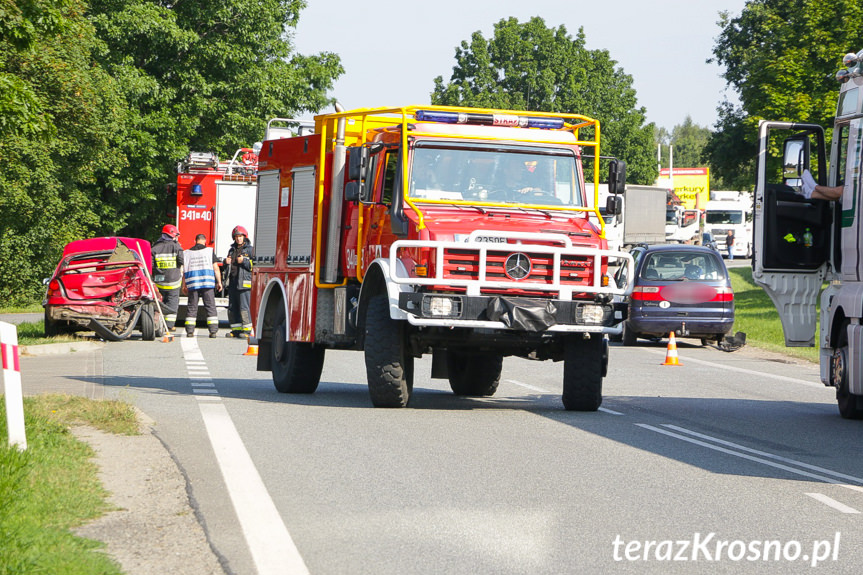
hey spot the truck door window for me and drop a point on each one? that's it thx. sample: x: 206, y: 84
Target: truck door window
x: 390, y: 171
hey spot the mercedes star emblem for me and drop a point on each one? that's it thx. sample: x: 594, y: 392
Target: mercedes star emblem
x: 517, y: 266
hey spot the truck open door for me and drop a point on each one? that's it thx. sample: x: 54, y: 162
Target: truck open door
x: 792, y: 235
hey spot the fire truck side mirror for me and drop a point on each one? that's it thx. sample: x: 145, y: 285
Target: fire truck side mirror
x: 616, y: 176
x: 613, y: 205
x: 352, y: 191
x: 356, y: 157
x: 171, y: 200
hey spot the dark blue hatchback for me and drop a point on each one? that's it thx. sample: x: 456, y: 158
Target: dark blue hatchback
x: 679, y: 288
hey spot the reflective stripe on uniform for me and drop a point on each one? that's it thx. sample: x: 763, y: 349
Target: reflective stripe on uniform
x: 172, y: 285
x: 166, y: 261
x: 213, y: 320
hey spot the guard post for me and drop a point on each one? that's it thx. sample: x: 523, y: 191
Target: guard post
x: 12, y: 385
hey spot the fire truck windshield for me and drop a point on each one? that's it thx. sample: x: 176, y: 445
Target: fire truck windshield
x: 528, y: 176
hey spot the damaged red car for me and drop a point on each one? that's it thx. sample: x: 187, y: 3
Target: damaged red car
x: 103, y: 285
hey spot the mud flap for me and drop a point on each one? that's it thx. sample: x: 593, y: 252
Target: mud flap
x: 523, y: 315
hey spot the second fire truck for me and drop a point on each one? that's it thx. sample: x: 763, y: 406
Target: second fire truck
x: 457, y: 232
x: 212, y: 197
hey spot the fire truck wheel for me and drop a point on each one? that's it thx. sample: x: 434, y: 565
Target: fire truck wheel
x: 630, y: 338
x: 296, y: 366
x: 582, y: 373
x: 389, y: 368
x: 473, y: 374
x: 850, y: 405
x: 147, y: 324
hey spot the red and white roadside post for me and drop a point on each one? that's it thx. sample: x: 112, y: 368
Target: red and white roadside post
x: 12, y: 385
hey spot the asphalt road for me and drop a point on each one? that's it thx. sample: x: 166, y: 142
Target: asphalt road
x: 733, y: 462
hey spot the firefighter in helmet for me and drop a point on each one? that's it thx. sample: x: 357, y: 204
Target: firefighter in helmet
x: 238, y: 266
x: 168, y: 272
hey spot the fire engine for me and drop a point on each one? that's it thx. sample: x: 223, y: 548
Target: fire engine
x: 802, y: 242
x: 457, y: 232
x: 212, y: 197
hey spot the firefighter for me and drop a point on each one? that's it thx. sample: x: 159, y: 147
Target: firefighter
x: 201, y: 278
x: 168, y: 272
x: 239, y: 280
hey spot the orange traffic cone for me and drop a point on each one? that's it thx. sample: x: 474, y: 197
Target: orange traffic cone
x: 671, y: 356
x: 253, y: 344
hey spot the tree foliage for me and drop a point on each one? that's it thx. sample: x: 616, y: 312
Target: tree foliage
x: 781, y: 57
x: 531, y: 66
x: 99, y: 99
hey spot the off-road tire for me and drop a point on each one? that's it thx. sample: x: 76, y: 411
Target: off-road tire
x: 296, y: 366
x: 473, y: 374
x: 147, y: 324
x: 389, y: 368
x: 582, y: 373
x: 629, y: 337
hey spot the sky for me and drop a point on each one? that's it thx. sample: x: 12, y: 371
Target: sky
x: 392, y: 50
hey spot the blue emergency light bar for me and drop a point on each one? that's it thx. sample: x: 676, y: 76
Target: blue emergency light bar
x: 510, y: 120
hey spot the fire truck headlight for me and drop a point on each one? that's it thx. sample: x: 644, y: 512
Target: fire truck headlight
x: 591, y: 314
x: 441, y: 306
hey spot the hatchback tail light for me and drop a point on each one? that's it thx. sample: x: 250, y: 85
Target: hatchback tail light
x: 646, y: 293
x: 724, y: 294
x: 53, y: 287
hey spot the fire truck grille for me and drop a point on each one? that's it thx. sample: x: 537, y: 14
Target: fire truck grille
x: 465, y: 264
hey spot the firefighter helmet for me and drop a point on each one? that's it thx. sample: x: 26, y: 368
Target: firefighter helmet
x: 239, y: 231
x: 171, y: 230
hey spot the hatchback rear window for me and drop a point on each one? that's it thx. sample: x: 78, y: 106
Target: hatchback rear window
x: 682, y: 266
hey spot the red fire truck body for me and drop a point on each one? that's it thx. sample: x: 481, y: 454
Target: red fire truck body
x: 213, y: 197
x: 459, y: 232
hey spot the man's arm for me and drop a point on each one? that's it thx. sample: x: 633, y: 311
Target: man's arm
x: 218, y: 273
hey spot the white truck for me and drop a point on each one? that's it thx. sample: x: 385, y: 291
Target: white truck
x: 646, y: 226
x: 681, y: 224
x: 801, y: 244
x: 730, y: 211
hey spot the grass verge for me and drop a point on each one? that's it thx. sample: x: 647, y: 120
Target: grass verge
x: 53, y: 487
x: 33, y: 333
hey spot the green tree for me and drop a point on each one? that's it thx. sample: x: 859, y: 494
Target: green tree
x: 99, y: 99
x: 60, y: 123
x: 202, y: 75
x: 780, y: 56
x: 530, y: 66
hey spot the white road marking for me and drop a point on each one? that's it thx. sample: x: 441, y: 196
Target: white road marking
x: 269, y: 541
x: 751, y: 457
x: 766, y: 375
x: 841, y: 507
x: 766, y: 454
x: 541, y: 390
x: 527, y: 386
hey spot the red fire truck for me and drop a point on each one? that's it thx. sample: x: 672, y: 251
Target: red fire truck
x: 457, y: 232
x: 212, y: 198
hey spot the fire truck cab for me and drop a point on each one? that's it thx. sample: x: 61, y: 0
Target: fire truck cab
x: 459, y: 232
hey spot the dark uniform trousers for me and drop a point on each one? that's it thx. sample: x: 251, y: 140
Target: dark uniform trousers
x: 208, y: 296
